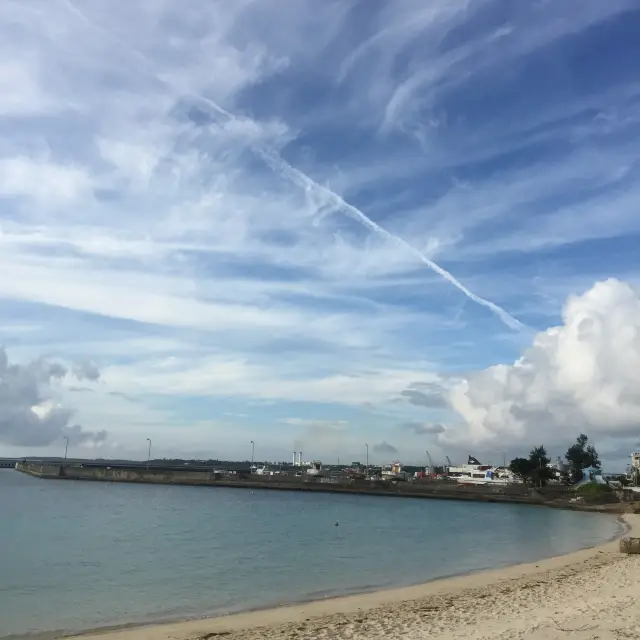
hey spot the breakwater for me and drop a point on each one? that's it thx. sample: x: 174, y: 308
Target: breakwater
x: 514, y: 493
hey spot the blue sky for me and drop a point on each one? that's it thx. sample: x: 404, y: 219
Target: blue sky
x: 319, y: 225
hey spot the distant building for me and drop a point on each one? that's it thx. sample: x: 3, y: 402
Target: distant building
x: 635, y: 460
x: 559, y: 469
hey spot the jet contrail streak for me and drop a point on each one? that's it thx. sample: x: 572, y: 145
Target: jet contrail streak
x: 280, y: 166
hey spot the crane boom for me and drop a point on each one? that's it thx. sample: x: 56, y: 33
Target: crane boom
x: 431, y: 467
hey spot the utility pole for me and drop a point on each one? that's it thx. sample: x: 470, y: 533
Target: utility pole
x: 540, y: 478
x: 253, y: 450
x: 367, y: 447
x: 149, y: 455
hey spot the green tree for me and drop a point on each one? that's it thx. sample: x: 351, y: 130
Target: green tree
x: 581, y: 455
x: 535, y: 468
x: 521, y: 467
x: 540, y: 471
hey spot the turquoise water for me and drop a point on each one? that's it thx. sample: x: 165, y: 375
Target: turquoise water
x: 78, y: 555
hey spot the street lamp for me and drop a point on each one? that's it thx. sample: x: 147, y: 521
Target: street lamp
x: 66, y: 446
x: 149, y: 455
x: 253, y: 450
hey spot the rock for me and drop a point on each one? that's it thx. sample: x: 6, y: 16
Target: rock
x: 630, y: 545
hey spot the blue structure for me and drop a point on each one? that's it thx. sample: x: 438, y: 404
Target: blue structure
x: 591, y: 474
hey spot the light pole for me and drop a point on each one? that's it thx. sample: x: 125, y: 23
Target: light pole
x: 66, y: 446
x: 540, y: 478
x: 149, y: 455
x: 253, y: 450
x: 367, y: 448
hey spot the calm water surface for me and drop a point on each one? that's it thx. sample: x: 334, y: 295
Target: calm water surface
x: 78, y: 555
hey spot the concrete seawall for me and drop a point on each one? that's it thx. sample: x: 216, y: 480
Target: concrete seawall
x: 430, y: 490
x: 110, y: 474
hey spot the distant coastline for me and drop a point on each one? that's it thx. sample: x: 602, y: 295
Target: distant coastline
x: 435, y: 490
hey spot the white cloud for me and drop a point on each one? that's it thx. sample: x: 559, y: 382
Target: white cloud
x: 583, y: 376
x: 43, y: 182
x: 140, y: 227
x: 262, y: 379
x: 435, y: 70
x: 20, y: 90
x: 132, y: 160
x: 512, y: 199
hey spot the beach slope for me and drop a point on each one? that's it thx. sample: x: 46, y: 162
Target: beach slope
x: 590, y: 594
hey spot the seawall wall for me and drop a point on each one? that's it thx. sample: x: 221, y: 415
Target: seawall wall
x: 151, y: 475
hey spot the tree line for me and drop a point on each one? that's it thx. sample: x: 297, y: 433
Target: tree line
x: 535, y: 469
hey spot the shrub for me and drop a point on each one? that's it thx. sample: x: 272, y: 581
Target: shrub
x: 592, y: 490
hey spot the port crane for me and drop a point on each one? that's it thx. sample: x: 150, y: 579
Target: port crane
x: 432, y: 469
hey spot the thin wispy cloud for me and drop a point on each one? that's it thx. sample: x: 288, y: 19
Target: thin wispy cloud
x: 338, y: 217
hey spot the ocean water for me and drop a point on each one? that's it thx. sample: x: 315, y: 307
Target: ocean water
x: 80, y: 555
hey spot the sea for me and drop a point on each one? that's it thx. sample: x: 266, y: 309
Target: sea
x: 84, y: 555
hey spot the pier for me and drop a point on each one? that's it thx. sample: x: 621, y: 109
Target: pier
x: 243, y: 479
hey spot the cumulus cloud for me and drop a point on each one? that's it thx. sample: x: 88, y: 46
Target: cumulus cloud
x: 29, y: 414
x: 425, y: 428
x: 384, y: 447
x: 582, y: 376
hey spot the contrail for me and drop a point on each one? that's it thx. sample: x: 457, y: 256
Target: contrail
x: 280, y: 166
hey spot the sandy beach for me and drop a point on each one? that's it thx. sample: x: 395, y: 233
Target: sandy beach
x: 592, y: 594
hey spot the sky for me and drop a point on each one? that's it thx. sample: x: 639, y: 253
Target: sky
x: 327, y: 227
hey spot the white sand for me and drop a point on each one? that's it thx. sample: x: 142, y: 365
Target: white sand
x: 587, y: 595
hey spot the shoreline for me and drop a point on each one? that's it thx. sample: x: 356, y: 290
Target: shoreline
x: 508, y: 494
x: 338, y: 611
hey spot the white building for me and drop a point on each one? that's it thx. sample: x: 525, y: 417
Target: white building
x: 559, y: 469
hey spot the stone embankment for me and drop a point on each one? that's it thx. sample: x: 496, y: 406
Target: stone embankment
x: 515, y: 493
